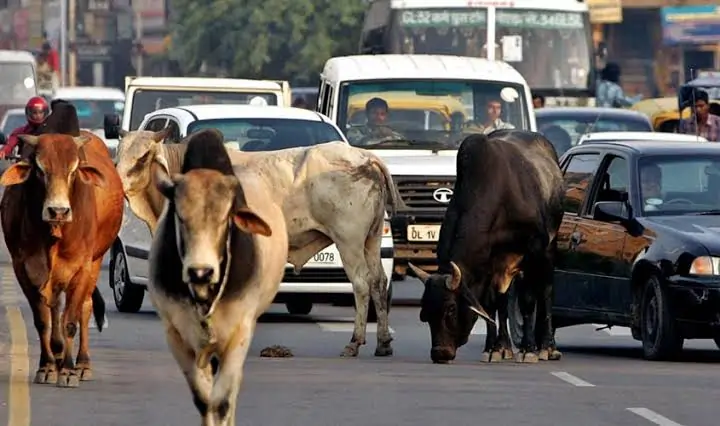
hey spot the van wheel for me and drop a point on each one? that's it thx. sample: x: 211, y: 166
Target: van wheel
x: 660, y: 337
x: 299, y: 306
x: 128, y: 297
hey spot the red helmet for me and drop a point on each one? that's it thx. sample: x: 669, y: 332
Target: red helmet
x: 35, y: 103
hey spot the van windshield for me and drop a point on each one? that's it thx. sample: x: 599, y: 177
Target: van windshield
x: 17, y: 83
x: 146, y: 101
x: 428, y: 114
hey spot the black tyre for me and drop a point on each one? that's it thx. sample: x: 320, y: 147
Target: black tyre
x: 128, y: 297
x: 660, y: 337
x: 299, y: 306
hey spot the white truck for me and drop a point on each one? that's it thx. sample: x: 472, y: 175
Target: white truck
x: 144, y: 95
x: 430, y: 103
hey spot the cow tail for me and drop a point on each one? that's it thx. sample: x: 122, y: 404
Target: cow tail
x: 392, y: 198
x: 98, y: 306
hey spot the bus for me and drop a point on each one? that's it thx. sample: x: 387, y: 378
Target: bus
x: 548, y: 42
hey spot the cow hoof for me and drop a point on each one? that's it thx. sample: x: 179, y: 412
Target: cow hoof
x: 507, y: 354
x: 485, y: 357
x: 543, y: 355
x: 45, y: 376
x: 496, y: 356
x: 350, y: 350
x: 555, y: 355
x: 85, y: 373
x: 526, y: 358
x: 384, y: 350
x: 68, y: 379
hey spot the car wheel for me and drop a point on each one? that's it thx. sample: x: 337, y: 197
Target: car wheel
x: 299, y: 306
x: 515, y: 319
x: 128, y: 296
x: 660, y: 337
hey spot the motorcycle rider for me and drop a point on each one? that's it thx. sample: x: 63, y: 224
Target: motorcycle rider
x: 36, y: 111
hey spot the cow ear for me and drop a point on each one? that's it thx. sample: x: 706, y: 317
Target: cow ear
x: 165, y: 185
x: 247, y: 221
x: 16, y: 174
x: 91, y: 175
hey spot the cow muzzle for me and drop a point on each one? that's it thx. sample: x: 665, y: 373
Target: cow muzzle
x: 442, y: 354
x: 57, y: 213
x: 201, y: 278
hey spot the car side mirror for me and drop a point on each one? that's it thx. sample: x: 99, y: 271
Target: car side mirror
x: 611, y: 211
x: 111, y: 126
x: 3, y: 139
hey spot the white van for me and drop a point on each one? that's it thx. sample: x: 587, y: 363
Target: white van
x: 18, y: 79
x: 433, y: 102
x: 144, y: 95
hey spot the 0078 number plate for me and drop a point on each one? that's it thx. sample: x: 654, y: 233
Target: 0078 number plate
x: 423, y: 233
x: 328, y: 257
x: 324, y: 257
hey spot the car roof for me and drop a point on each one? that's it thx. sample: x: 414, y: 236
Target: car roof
x: 555, y: 112
x: 639, y: 137
x: 14, y: 111
x: 419, y: 66
x: 95, y: 93
x: 218, y: 111
x: 653, y: 148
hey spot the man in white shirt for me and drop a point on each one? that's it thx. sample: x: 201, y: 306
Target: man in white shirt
x: 494, y: 111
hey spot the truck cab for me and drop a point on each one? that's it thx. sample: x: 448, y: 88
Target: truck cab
x: 413, y: 111
x: 144, y: 95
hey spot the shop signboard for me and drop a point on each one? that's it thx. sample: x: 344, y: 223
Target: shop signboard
x: 690, y: 24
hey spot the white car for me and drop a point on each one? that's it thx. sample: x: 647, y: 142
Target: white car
x: 12, y: 119
x: 322, y: 279
x: 92, y: 104
x: 638, y: 137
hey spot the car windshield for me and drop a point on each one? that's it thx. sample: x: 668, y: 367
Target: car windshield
x: 12, y: 122
x: 680, y: 184
x: 92, y: 111
x: 269, y: 134
x: 565, y: 131
x: 422, y: 114
x: 146, y: 101
x: 17, y: 83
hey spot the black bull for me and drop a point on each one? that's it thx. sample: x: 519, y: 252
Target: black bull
x: 499, y: 228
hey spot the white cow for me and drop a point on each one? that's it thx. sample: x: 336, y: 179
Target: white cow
x: 329, y: 193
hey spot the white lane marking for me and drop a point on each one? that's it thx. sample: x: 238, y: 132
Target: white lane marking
x: 573, y: 380
x: 335, y: 327
x: 614, y: 331
x: 653, y: 417
x: 480, y: 328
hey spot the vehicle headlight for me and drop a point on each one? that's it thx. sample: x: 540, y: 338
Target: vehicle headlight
x: 705, y: 265
x: 386, y: 229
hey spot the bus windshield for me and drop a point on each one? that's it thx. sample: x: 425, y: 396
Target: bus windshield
x: 17, y: 83
x: 427, y: 114
x: 551, y: 49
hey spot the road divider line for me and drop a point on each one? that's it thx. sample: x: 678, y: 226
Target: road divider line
x: 19, y: 388
x: 653, y: 417
x: 573, y: 380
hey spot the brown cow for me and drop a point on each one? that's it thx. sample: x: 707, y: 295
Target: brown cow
x: 216, y: 263
x: 330, y: 193
x: 61, y: 211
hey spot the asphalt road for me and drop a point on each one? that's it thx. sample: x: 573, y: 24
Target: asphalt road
x: 600, y: 381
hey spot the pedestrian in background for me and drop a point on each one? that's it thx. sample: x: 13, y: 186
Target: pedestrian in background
x: 538, y: 101
x: 609, y: 93
x: 701, y: 122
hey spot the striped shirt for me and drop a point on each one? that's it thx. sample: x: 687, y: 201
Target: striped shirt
x: 710, y: 130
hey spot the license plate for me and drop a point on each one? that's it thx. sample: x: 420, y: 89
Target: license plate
x: 421, y: 233
x: 325, y: 258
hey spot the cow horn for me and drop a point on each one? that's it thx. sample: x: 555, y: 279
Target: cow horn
x: 422, y: 275
x: 484, y: 315
x: 160, y: 135
x: 81, y: 140
x: 454, y: 284
x: 29, y: 139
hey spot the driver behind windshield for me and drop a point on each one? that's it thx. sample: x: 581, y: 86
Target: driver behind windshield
x: 494, y: 112
x: 376, y: 128
x: 650, y: 186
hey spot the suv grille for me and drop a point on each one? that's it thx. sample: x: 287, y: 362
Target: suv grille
x: 417, y: 191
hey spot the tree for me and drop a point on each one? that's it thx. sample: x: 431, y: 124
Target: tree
x: 269, y: 39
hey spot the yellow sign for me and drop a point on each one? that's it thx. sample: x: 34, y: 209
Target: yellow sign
x: 605, y: 11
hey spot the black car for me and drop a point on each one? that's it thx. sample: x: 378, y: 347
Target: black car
x: 639, y: 244
x: 564, y: 126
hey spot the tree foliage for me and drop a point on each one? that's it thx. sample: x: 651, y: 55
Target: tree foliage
x: 270, y: 39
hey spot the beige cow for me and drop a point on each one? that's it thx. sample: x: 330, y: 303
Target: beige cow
x: 329, y: 193
x: 216, y: 263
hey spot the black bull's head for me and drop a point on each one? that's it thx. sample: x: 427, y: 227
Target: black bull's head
x: 450, y: 309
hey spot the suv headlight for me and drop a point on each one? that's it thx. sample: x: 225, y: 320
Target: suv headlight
x: 705, y: 265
